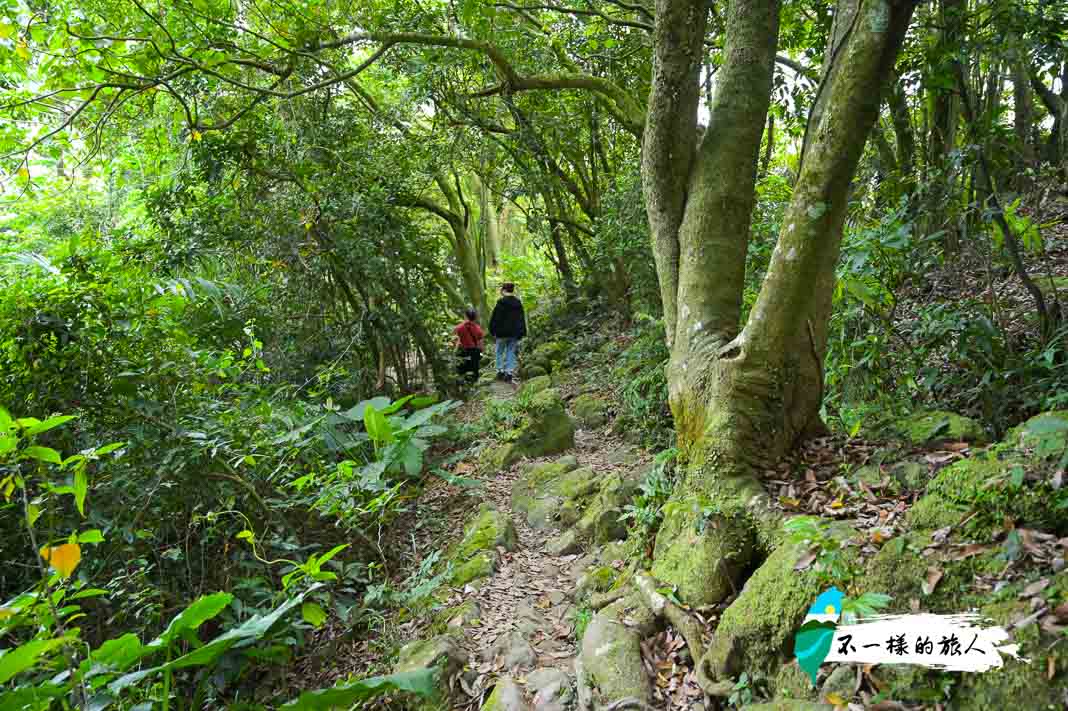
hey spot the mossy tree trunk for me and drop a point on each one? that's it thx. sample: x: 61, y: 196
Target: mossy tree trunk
x: 944, y: 112
x: 457, y: 215
x: 742, y: 394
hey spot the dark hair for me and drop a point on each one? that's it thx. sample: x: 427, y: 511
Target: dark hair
x: 508, y: 286
x: 471, y: 314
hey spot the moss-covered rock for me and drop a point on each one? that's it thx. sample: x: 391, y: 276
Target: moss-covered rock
x: 929, y: 426
x: 908, y: 475
x: 533, y: 370
x: 611, y: 666
x: 791, y: 682
x: 480, y: 565
x: 551, y: 355
x: 757, y: 628
x: 594, y: 580
x: 1046, y: 432
x: 999, y: 483
x: 1019, y: 685
x: 898, y: 569
x: 535, y: 385
x: 442, y: 653
x: 506, y: 696
x: 488, y: 530
x: 590, y: 411
x: 932, y: 512
x: 600, y: 521
x: 458, y: 617
x: 545, y: 428
x: 475, y: 555
x: 545, y: 491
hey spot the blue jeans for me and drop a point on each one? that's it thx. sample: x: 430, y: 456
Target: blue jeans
x: 507, y: 349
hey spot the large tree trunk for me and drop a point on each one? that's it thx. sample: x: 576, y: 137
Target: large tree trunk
x: 488, y: 216
x: 464, y: 246
x: 903, y: 133
x: 944, y: 110
x: 740, y: 400
x: 1023, y: 109
x: 741, y: 396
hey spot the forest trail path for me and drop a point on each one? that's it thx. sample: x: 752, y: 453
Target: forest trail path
x: 526, y: 612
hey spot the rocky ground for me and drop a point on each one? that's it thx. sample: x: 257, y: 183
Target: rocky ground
x: 548, y: 606
x: 547, y: 603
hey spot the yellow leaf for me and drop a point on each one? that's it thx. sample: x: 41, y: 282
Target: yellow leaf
x: 837, y: 504
x: 7, y: 31
x: 22, y: 51
x: 24, y: 173
x: 6, y: 613
x: 196, y: 135
x: 833, y: 698
x: 64, y: 559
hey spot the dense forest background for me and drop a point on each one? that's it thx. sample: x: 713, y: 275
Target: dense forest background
x: 236, y: 235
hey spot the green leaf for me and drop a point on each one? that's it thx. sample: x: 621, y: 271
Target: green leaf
x: 34, y: 697
x: 192, y: 617
x: 251, y: 630
x: 412, y: 459
x: 1047, y: 424
x: 81, y: 488
x: 422, y: 682
x: 390, y: 409
x: 356, y: 413
x: 378, y: 427
x: 42, y: 454
x: 246, y: 535
x: 48, y: 424
x: 6, y: 423
x: 117, y: 654
x: 108, y: 448
x: 332, y: 552
x: 91, y: 536
x: 421, y: 401
x: 89, y: 592
x: 26, y: 655
x: 313, y: 613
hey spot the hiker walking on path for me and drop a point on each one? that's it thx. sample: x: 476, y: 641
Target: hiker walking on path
x: 507, y: 324
x: 469, y: 338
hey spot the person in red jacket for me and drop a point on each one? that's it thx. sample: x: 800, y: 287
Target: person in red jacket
x: 469, y: 337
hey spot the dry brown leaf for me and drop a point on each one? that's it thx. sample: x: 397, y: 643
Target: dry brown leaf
x: 967, y: 551
x: 934, y: 574
x: 806, y: 560
x: 1035, y: 587
x: 941, y: 457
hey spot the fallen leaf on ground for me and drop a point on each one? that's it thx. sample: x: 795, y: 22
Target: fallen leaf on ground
x: 931, y: 582
x: 806, y: 560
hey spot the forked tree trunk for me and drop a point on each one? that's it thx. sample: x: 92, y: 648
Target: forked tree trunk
x: 741, y: 399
